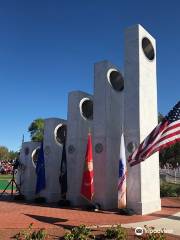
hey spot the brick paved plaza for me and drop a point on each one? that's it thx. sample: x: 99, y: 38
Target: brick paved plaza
x: 18, y: 215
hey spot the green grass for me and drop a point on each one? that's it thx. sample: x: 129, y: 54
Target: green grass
x: 4, y: 180
x: 169, y: 189
x: 3, y: 184
x: 5, y: 176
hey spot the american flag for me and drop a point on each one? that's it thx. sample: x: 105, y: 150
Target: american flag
x: 164, y: 135
x: 122, y: 176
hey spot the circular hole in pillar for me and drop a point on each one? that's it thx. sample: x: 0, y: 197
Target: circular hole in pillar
x: 86, y: 108
x: 60, y: 133
x: 115, y: 79
x: 35, y: 154
x: 148, y: 48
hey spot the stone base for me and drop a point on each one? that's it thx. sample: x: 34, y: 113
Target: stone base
x: 29, y: 195
x: 52, y: 197
x: 144, y: 208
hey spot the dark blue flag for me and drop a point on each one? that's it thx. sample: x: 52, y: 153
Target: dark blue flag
x: 63, y: 173
x: 40, y: 171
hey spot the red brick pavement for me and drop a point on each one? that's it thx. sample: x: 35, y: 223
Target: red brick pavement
x: 20, y: 215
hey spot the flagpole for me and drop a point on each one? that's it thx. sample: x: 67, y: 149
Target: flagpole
x: 123, y: 138
x: 89, y: 130
x: 22, y: 139
x: 90, y: 201
x: 87, y: 185
x: 63, y: 170
x: 20, y: 172
x: 123, y: 117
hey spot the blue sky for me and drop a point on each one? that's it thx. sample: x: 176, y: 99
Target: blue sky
x: 48, y: 48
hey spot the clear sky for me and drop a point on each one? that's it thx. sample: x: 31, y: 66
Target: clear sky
x: 48, y: 48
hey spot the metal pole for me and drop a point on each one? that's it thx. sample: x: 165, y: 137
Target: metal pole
x: 12, y: 182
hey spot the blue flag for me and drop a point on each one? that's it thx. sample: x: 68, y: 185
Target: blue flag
x: 40, y: 171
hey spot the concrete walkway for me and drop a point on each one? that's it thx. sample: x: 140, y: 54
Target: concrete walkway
x: 171, y: 224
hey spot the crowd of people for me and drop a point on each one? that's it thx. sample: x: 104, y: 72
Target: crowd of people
x: 6, y: 167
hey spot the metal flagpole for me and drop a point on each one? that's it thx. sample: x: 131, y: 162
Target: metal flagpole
x: 21, y: 166
x: 122, y: 132
x: 122, y: 162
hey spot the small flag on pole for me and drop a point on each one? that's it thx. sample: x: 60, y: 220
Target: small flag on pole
x: 87, y: 187
x: 164, y: 135
x: 122, y: 176
x: 23, y: 139
x: 63, y: 173
x: 40, y: 171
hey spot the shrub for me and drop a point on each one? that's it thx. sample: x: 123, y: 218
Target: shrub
x: 169, y: 189
x: 79, y: 233
x: 31, y: 235
x: 153, y: 234
x: 117, y: 233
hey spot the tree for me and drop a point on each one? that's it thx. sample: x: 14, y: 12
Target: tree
x: 12, y: 155
x: 4, y: 153
x: 160, y: 117
x: 36, y: 130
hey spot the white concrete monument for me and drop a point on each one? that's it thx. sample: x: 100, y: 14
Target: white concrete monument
x: 54, y: 130
x: 27, y: 173
x: 141, y: 117
x: 80, y: 119
x: 128, y: 103
x: 108, y: 86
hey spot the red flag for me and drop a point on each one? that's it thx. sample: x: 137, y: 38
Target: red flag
x: 87, y: 187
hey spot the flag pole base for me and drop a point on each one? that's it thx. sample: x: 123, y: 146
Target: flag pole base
x: 126, y: 211
x: 19, y: 197
x: 64, y: 203
x: 40, y: 200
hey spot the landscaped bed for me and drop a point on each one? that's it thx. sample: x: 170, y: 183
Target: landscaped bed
x: 61, y: 234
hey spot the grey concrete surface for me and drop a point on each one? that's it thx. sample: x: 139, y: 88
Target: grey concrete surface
x: 52, y: 158
x: 143, y: 190
x: 171, y: 224
x: 77, y: 135
x: 108, y: 108
x: 27, y: 174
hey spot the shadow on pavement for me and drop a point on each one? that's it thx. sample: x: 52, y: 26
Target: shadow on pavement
x: 46, y: 219
x: 177, y: 218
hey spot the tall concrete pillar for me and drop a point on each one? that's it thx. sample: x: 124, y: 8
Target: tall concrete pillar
x: 27, y: 174
x: 108, y: 108
x: 54, y: 130
x: 141, y: 117
x: 80, y: 118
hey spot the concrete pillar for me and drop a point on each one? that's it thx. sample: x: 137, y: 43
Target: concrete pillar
x: 141, y: 117
x: 108, y: 86
x: 53, y: 138
x: 28, y: 157
x: 80, y: 118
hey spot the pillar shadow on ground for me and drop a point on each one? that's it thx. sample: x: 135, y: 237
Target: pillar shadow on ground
x: 45, y: 219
